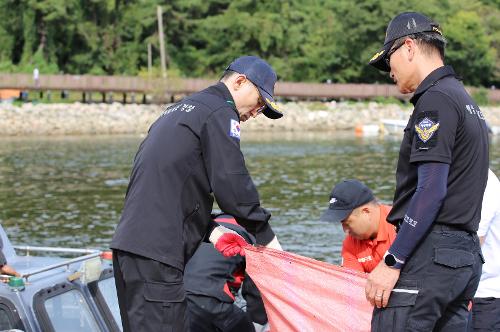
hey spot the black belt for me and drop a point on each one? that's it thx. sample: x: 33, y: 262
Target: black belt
x: 448, y: 227
x: 442, y: 227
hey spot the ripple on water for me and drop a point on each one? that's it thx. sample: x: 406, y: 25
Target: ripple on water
x: 116, y: 182
x: 70, y: 191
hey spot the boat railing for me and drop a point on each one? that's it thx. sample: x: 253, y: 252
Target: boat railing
x: 87, y: 254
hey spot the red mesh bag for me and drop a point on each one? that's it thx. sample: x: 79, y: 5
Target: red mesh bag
x: 303, y: 294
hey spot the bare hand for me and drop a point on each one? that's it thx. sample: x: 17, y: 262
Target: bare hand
x: 7, y: 269
x: 380, y: 283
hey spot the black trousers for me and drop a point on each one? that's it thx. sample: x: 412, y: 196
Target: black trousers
x: 435, y: 286
x: 150, y: 294
x: 207, y: 314
x: 485, y: 314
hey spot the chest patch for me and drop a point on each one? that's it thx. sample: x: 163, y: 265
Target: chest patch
x: 234, y: 129
x: 426, y: 130
x: 365, y: 259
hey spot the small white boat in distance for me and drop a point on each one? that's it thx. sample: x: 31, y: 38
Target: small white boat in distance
x: 367, y: 130
x: 393, y: 126
x: 495, y: 130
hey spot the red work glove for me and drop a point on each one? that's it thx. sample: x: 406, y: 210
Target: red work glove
x: 227, y: 241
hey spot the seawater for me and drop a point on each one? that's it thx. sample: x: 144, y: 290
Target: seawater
x: 69, y: 191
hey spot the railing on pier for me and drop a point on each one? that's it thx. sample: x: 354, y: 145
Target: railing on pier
x: 88, y: 84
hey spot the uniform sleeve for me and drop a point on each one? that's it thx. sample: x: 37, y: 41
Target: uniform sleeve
x: 349, y: 259
x: 423, y: 209
x: 255, y: 306
x: 230, y: 181
x: 3, y: 260
x: 434, y: 127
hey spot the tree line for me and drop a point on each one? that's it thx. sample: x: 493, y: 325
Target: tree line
x: 304, y: 40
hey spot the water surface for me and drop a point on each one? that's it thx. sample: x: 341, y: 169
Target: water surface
x: 68, y: 191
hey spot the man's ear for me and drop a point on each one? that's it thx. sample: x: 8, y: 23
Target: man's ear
x: 410, y: 48
x: 238, y: 81
x: 365, y: 209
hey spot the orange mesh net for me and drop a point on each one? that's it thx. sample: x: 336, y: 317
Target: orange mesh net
x: 303, y: 294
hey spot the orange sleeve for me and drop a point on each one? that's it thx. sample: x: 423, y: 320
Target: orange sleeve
x: 349, y: 259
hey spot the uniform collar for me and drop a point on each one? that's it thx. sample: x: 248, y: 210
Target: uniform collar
x: 430, y: 80
x: 221, y: 90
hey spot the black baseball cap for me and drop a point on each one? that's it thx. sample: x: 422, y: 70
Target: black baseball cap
x: 262, y: 75
x: 402, y: 25
x: 345, y: 197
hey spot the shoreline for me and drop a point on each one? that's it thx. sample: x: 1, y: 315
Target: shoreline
x: 114, y: 119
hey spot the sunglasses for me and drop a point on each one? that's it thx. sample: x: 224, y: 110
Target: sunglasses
x: 391, y: 52
x: 263, y: 105
x: 260, y: 102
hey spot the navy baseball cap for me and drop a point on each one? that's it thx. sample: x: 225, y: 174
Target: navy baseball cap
x: 402, y: 25
x: 345, y: 197
x: 262, y: 75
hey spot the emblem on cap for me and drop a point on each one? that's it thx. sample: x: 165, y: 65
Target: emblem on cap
x: 377, y: 55
x: 435, y: 29
x: 412, y: 24
x: 426, y: 129
x: 333, y: 200
x: 273, y: 104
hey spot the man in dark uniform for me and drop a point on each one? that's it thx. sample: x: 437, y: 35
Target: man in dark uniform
x: 431, y: 271
x: 212, y: 282
x: 191, y: 152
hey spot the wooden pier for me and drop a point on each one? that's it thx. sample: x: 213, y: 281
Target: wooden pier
x: 175, y: 88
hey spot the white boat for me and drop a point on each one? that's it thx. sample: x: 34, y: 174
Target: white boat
x: 55, y: 294
x: 61, y: 294
x: 367, y: 130
x: 393, y: 126
x: 495, y: 130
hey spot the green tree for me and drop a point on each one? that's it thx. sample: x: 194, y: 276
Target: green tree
x: 304, y: 40
x: 469, y: 48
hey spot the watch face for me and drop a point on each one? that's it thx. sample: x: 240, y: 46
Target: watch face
x: 390, y: 260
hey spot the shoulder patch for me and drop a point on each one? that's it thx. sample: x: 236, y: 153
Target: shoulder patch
x: 426, y: 130
x: 234, y: 129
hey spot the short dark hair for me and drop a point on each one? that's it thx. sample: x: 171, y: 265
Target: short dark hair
x: 227, y: 74
x: 429, y: 42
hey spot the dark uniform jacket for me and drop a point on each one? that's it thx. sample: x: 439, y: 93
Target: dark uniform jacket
x: 3, y: 260
x: 446, y: 126
x: 208, y: 273
x: 191, y: 151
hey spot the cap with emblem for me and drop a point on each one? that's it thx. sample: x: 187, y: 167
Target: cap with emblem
x: 402, y: 25
x: 345, y: 197
x: 260, y: 73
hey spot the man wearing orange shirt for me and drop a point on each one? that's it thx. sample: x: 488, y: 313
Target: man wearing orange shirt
x: 368, y: 234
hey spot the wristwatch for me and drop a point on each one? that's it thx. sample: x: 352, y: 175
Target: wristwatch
x: 391, y: 261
